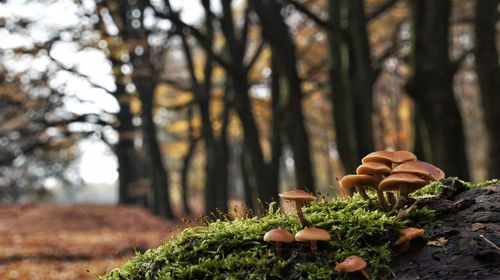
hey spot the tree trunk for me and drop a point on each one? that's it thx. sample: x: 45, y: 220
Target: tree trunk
x: 362, y: 77
x: 340, y: 96
x: 488, y: 71
x: 276, y: 143
x: 432, y: 86
x: 125, y: 151
x: 277, y: 34
x: 186, y: 162
x: 158, y: 171
x: 238, y: 75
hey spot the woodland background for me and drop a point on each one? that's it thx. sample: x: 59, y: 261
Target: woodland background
x: 248, y: 99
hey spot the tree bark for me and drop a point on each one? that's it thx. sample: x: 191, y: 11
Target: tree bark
x: 432, y: 86
x: 277, y: 34
x: 340, y: 96
x: 158, y: 170
x: 362, y: 76
x: 186, y: 162
x: 488, y: 71
x: 238, y: 75
x: 125, y: 152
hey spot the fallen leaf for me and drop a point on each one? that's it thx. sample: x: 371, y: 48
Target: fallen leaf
x: 477, y: 226
x: 440, y: 242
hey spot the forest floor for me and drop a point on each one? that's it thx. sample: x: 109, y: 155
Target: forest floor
x: 74, y: 241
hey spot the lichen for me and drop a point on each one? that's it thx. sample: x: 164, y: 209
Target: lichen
x: 234, y: 249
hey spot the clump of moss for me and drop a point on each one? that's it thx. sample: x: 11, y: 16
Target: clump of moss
x: 234, y: 249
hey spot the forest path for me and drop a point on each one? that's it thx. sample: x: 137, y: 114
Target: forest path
x: 39, y: 241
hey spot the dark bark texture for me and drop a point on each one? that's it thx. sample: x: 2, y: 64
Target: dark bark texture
x: 488, y: 71
x: 276, y: 32
x: 463, y: 216
x: 432, y: 87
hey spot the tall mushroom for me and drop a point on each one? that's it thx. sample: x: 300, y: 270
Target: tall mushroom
x: 404, y: 183
x: 353, y: 264
x: 312, y: 235
x: 278, y: 236
x: 379, y: 171
x: 299, y: 197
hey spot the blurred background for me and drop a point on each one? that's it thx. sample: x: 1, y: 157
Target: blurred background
x: 184, y: 108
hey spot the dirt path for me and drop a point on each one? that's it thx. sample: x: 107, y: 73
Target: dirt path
x: 74, y: 242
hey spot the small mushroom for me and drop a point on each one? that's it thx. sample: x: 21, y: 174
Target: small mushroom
x: 278, y: 236
x: 312, y: 235
x: 358, y: 181
x: 404, y: 183
x: 353, y: 264
x: 420, y: 168
x: 299, y: 197
x: 406, y: 235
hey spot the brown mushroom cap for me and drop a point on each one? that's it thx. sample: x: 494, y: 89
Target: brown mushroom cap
x: 388, y: 156
x: 357, y: 180
x: 370, y: 168
x: 297, y: 195
x: 408, y: 234
x: 421, y: 168
x: 392, y: 182
x: 278, y: 235
x: 312, y: 234
x: 351, y: 264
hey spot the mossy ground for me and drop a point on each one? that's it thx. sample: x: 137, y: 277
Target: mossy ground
x: 234, y: 249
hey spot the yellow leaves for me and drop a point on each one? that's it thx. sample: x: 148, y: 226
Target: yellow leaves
x: 168, y: 97
x: 182, y: 126
x: 440, y: 242
x: 135, y: 105
x: 175, y: 149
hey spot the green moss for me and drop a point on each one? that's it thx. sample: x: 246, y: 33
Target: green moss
x: 234, y: 249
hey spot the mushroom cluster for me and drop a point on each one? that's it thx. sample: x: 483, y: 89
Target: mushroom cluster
x: 389, y: 172
x: 311, y: 234
x: 308, y: 234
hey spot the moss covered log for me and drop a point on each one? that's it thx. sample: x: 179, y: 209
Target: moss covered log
x: 234, y: 249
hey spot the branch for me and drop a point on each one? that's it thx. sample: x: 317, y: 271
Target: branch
x: 455, y: 64
x: 316, y: 19
x: 76, y: 72
x: 389, y: 51
x: 200, y: 37
x: 382, y: 9
x: 255, y: 56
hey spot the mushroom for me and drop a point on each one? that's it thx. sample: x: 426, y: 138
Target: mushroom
x: 406, y: 235
x: 378, y: 170
x: 389, y: 157
x: 312, y: 235
x: 358, y: 181
x: 300, y: 197
x: 278, y: 236
x: 420, y: 168
x: 404, y: 183
x: 353, y: 264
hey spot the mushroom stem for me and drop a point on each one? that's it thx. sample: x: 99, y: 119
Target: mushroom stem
x: 381, y: 200
x: 314, y: 247
x: 298, y: 207
x: 278, y: 249
x: 362, y: 192
x: 403, y: 196
x: 365, y: 273
x: 391, y: 199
